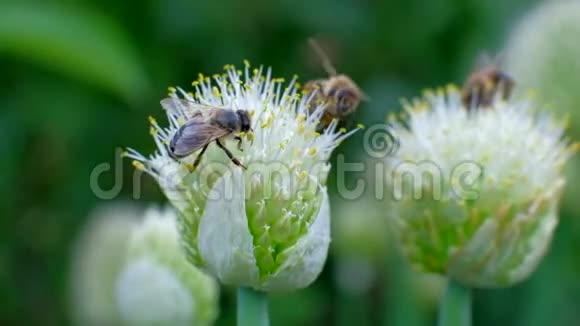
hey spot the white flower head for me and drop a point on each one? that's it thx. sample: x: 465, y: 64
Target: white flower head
x: 158, y: 285
x: 476, y: 191
x: 266, y: 227
x: 132, y: 272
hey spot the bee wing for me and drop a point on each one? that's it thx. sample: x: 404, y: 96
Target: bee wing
x: 188, y: 108
x: 193, y: 135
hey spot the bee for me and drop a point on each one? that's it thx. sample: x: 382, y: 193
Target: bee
x: 206, y: 124
x: 485, y: 82
x: 340, y: 93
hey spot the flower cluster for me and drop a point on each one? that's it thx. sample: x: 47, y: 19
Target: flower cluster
x: 266, y: 227
x: 490, y: 223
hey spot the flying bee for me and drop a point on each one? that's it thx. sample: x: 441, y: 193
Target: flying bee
x: 338, y: 92
x: 206, y: 124
x: 485, y: 82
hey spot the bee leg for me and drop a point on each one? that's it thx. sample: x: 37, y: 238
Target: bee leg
x: 230, y: 155
x: 472, y: 101
x: 198, y: 158
x: 506, y: 84
x: 475, y: 99
x: 239, y: 139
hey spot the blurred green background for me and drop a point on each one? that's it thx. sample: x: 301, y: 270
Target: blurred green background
x: 79, y: 79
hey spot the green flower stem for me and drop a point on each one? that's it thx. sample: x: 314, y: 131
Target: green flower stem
x: 402, y: 306
x: 353, y: 309
x: 455, y: 307
x: 252, y: 308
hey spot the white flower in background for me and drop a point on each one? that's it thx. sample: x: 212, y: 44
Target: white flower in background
x: 542, y: 54
x: 266, y: 227
x: 476, y: 193
x: 158, y: 285
x: 97, y: 260
x: 137, y: 274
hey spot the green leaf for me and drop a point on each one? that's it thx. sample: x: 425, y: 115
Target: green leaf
x: 84, y: 45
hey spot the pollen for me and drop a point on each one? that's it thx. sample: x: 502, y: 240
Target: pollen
x: 295, y: 164
x: 312, y: 151
x: 267, y: 123
x: 451, y: 88
x: 124, y: 154
x: 171, y: 89
x: 152, y: 121
x: 428, y: 92
x: 138, y: 165
x: 215, y: 91
x: 301, y: 118
x: 360, y: 126
x: 189, y: 167
x: 342, y: 130
x: 247, y: 63
x: 302, y: 175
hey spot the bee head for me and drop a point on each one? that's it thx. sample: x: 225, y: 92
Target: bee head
x: 245, y: 121
x: 347, y: 101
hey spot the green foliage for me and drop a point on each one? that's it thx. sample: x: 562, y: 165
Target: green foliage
x: 78, y: 42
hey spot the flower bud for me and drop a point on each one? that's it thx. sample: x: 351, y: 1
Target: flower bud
x: 266, y: 227
x: 177, y: 292
x: 475, y: 193
x: 97, y: 260
x: 149, y: 281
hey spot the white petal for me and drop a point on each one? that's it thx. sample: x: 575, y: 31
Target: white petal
x: 224, y: 239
